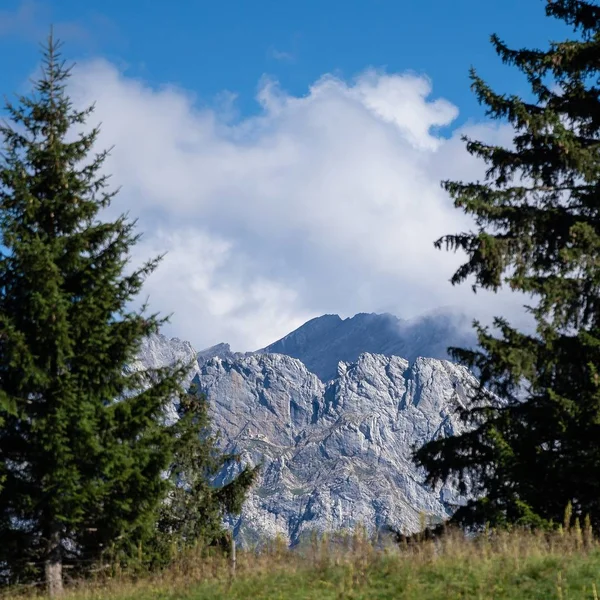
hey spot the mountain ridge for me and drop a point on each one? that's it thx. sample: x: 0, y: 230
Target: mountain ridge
x: 321, y: 343
x: 344, y: 444
x: 335, y: 453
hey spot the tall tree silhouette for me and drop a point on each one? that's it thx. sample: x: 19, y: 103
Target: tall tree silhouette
x: 79, y: 470
x: 538, y: 231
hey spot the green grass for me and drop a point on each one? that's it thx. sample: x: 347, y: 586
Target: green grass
x: 516, y: 566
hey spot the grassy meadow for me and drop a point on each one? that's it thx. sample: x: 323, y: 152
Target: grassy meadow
x: 501, y: 565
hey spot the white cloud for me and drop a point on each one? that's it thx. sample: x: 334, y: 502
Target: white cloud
x: 214, y: 296
x: 328, y: 202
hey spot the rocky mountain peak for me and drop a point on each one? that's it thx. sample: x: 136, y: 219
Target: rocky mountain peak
x: 323, y: 342
x: 335, y: 451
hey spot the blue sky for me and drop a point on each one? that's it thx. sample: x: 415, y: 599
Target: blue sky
x: 286, y: 155
x: 209, y: 47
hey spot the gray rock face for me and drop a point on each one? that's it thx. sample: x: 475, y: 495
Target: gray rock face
x: 222, y: 350
x: 323, y: 342
x: 333, y: 455
x: 159, y: 351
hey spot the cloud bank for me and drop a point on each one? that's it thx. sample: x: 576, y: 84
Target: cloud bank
x: 325, y: 203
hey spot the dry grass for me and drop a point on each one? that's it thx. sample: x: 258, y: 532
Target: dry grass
x: 500, y: 565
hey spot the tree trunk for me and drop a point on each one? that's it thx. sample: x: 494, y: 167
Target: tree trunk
x: 53, y: 565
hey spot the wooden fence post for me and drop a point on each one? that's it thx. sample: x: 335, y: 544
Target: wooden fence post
x: 233, y: 558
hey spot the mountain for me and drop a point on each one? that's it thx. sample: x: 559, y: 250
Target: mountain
x: 334, y: 454
x: 324, y: 341
x: 338, y: 454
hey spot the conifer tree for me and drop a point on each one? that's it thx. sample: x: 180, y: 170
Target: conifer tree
x: 82, y: 440
x: 196, y: 506
x: 538, y: 231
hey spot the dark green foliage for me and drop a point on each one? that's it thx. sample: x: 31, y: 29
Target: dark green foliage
x: 79, y: 472
x: 195, y: 508
x: 538, y: 231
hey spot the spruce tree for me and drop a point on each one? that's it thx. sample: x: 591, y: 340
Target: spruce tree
x: 537, y: 216
x: 195, y: 508
x: 82, y: 442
